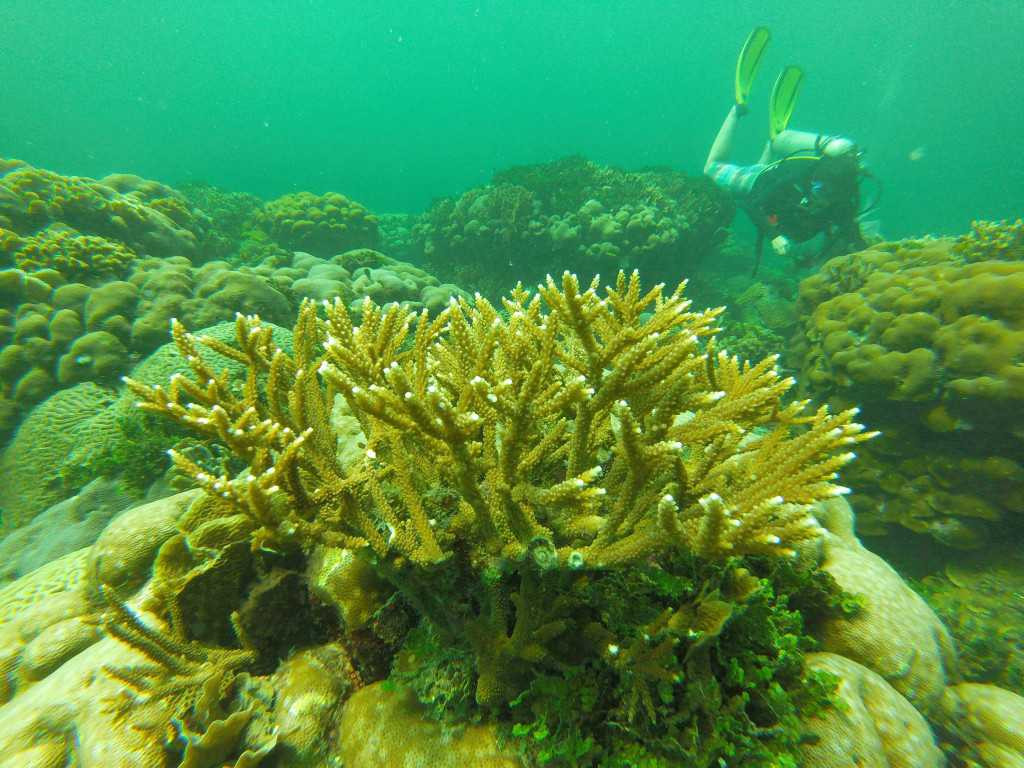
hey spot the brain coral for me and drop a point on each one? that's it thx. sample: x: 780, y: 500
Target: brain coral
x: 931, y: 343
x: 319, y: 224
x: 34, y: 463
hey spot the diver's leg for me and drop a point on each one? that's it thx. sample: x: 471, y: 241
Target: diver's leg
x: 722, y: 146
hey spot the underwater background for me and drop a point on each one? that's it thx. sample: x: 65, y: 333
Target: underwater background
x: 398, y: 103
x: 320, y: 447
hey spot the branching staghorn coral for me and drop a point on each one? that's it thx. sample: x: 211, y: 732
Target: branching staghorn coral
x: 569, y: 431
x: 185, y: 678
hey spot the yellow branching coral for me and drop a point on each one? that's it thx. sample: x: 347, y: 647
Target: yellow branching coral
x: 600, y: 424
x: 570, y: 429
x: 278, y: 423
x: 184, y: 678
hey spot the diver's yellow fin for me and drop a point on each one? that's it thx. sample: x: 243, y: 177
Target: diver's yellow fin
x: 750, y: 61
x: 783, y: 100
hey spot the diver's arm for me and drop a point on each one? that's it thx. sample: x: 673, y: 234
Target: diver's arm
x: 722, y: 146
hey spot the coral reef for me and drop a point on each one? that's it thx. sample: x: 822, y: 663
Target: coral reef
x: 319, y: 224
x: 57, y: 333
x: 573, y: 527
x: 930, y: 343
x: 513, y: 466
x: 573, y: 214
x: 299, y: 710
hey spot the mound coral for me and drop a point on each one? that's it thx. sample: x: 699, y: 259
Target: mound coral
x: 930, y: 340
x: 575, y: 214
x: 320, y: 224
x: 145, y: 216
x: 71, y: 253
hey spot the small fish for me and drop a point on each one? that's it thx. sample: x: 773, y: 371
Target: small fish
x: 917, y: 154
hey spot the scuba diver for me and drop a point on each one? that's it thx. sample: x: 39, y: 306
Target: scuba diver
x: 804, y: 184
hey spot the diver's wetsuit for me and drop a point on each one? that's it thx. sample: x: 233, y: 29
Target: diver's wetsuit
x: 805, y: 185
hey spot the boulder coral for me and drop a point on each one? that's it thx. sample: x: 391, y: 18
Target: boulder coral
x: 121, y: 213
x: 873, y: 727
x: 319, y: 224
x: 572, y: 214
x: 894, y: 632
x: 928, y: 336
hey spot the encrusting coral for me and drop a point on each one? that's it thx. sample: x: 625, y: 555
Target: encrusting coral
x: 574, y: 433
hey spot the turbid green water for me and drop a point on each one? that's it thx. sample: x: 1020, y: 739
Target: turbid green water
x: 397, y: 103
